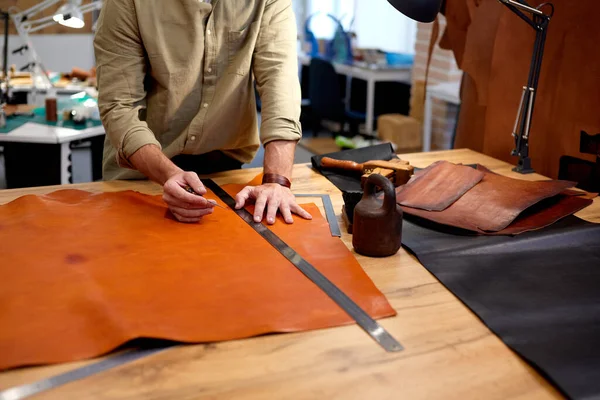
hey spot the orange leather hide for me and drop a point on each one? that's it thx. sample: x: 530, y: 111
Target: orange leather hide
x: 84, y: 273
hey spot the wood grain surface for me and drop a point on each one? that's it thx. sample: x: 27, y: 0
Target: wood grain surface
x: 449, y: 353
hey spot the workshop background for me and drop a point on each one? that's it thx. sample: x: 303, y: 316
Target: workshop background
x: 363, y: 68
x: 384, y: 45
x: 483, y: 259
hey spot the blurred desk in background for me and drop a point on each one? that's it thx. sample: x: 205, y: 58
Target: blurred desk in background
x: 38, y: 153
x: 371, y: 75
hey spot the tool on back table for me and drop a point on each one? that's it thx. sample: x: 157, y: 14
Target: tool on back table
x: 211, y: 201
x: 396, y: 170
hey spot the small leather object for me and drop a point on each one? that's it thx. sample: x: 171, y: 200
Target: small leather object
x: 377, y: 228
x: 276, y: 178
x: 82, y: 274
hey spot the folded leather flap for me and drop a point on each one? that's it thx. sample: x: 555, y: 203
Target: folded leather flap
x: 438, y: 186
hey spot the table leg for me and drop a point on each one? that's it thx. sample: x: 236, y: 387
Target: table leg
x: 97, y: 149
x: 348, y: 97
x: 370, y: 106
x: 427, y: 122
x: 65, y: 164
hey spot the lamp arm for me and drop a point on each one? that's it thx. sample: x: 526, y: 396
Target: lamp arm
x: 38, y: 67
x: 539, y: 22
x: 94, y: 5
x: 24, y: 26
x: 38, y: 24
x: 522, y: 5
x: 30, y: 12
x: 519, y: 13
x: 44, y: 22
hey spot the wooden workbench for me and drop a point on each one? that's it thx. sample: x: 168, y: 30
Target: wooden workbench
x: 449, y: 353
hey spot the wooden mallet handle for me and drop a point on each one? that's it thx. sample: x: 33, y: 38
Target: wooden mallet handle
x: 330, y: 163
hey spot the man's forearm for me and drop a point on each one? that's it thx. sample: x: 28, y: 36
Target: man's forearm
x: 151, y: 161
x: 279, y: 157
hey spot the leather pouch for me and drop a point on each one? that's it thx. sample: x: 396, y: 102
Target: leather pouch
x: 498, y: 204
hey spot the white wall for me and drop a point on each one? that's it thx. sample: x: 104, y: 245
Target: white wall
x: 324, y: 27
x: 379, y: 25
x: 376, y: 23
x: 59, y: 53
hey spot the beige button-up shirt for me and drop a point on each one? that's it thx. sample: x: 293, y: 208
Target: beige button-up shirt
x: 180, y: 74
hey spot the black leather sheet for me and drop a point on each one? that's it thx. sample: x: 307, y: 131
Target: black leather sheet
x: 538, y: 291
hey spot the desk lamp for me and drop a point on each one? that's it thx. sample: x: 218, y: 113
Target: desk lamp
x: 69, y: 14
x: 426, y: 11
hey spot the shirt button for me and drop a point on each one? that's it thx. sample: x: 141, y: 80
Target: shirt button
x: 192, y: 138
x: 208, y: 31
x: 205, y: 105
x: 209, y: 69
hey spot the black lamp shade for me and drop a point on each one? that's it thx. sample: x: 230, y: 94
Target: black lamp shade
x: 419, y: 10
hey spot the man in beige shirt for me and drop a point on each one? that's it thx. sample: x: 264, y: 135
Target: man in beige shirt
x: 176, y: 96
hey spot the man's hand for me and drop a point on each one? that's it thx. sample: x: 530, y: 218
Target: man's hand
x: 185, y: 206
x: 273, y: 197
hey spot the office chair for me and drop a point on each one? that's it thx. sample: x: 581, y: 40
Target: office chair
x: 326, y: 99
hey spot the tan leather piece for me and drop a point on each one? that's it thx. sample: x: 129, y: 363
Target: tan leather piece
x: 494, y: 203
x: 84, y: 273
x: 458, y: 20
x: 479, y: 48
x: 470, y: 123
x: 429, y: 189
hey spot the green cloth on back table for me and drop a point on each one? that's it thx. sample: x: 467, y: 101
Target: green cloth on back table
x: 39, y: 117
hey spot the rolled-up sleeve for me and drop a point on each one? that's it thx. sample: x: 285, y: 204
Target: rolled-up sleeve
x: 121, y: 69
x: 276, y: 72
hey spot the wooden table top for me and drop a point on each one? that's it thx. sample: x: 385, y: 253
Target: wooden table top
x: 448, y: 352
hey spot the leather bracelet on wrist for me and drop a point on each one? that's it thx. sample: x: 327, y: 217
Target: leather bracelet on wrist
x: 275, y: 178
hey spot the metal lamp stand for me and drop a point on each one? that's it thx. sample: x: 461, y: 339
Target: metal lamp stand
x: 539, y: 22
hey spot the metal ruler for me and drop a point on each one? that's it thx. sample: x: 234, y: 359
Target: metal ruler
x: 363, y: 319
x: 30, y: 389
x: 334, y: 227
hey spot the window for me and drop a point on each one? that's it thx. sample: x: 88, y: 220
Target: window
x: 376, y: 23
x: 324, y: 27
x: 379, y: 25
